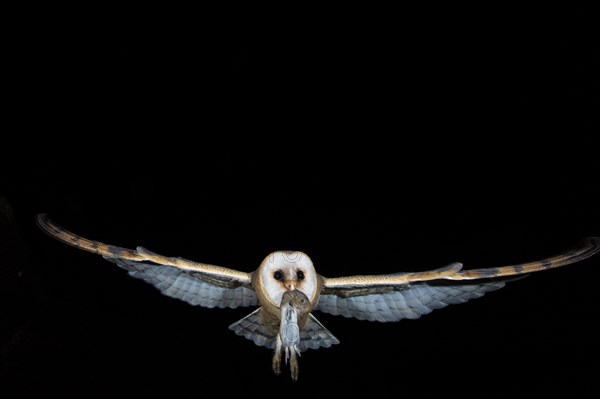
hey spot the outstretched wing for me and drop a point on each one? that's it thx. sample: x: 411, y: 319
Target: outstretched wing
x: 393, y: 297
x: 196, y: 283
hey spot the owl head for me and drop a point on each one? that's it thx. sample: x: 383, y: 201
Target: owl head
x: 283, y: 271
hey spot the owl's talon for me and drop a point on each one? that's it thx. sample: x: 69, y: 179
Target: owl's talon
x: 294, y: 367
x: 291, y: 351
x: 277, y: 364
x: 277, y: 357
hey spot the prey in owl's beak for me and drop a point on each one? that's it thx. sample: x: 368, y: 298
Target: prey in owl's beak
x: 294, y: 310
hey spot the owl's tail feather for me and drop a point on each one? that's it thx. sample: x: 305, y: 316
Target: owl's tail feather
x: 313, y: 336
x: 252, y: 328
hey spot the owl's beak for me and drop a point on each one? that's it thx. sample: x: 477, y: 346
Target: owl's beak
x: 289, y: 285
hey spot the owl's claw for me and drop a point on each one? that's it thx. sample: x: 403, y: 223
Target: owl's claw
x: 277, y: 357
x: 294, y: 366
x: 291, y: 353
x: 295, y: 370
x: 277, y: 364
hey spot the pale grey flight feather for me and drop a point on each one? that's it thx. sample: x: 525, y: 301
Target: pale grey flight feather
x: 188, y: 286
x: 408, y: 301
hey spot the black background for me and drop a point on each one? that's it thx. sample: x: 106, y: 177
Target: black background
x: 376, y: 142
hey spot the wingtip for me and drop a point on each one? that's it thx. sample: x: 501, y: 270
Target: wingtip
x: 593, y: 240
x: 41, y: 217
x: 43, y: 221
x: 594, y: 243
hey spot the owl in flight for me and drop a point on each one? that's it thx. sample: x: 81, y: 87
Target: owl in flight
x: 286, y: 288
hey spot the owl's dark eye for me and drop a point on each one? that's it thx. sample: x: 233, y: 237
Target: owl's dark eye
x: 278, y: 275
x: 300, y: 275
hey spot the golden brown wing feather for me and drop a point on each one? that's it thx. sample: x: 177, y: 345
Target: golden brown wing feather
x: 393, y: 297
x: 209, y: 273
x: 585, y: 249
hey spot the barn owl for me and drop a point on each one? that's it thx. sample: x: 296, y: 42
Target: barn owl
x: 286, y: 289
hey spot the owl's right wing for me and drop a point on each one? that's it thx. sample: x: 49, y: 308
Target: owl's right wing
x: 393, y: 297
x: 196, y: 283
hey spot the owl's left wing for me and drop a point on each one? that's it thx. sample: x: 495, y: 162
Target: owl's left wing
x: 393, y: 297
x: 196, y: 283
